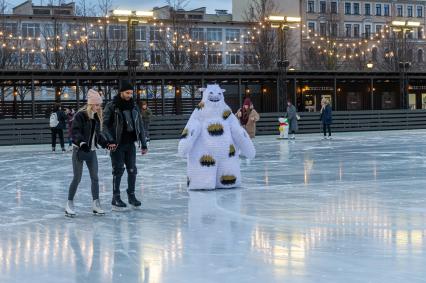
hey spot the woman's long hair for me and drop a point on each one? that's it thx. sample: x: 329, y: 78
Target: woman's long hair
x: 88, y: 108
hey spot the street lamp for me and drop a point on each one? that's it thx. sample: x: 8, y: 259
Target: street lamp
x: 133, y: 18
x: 370, y: 65
x: 283, y: 24
x: 404, y: 27
x: 146, y: 64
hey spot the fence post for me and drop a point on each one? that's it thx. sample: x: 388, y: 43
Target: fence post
x: 163, y: 100
x: 32, y: 99
x: 77, y: 93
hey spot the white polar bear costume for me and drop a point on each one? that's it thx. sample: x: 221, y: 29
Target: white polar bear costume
x: 212, y: 141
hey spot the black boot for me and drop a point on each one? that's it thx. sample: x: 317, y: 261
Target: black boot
x: 133, y: 201
x: 118, y: 204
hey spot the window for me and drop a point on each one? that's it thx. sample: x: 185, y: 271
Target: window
x: 233, y: 58
x: 41, y: 11
x: 420, y: 55
x: 197, y: 34
x: 334, y: 29
x: 367, y: 9
x: 214, y: 34
x: 233, y: 35
x: 250, y: 59
x: 154, y: 33
x: 247, y: 36
x: 30, y: 30
x: 410, y: 11
x: 348, y: 28
x: 214, y: 58
x: 378, y: 9
x: 10, y: 28
x: 323, y: 7
x: 311, y: 28
x: 117, y: 32
x: 31, y: 59
x: 419, y: 12
x: 420, y: 33
x: 49, y: 30
x: 93, y: 34
x: 347, y: 8
x: 399, y: 11
x: 323, y: 29
x: 334, y: 7
x: 311, y: 6
x: 386, y: 11
x: 198, y: 58
x: 367, y: 31
x: 140, y: 33
x: 156, y: 58
x: 356, y: 30
x: 378, y: 29
x: 356, y: 8
x: 140, y: 55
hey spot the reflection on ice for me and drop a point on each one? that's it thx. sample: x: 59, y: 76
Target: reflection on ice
x: 338, y: 211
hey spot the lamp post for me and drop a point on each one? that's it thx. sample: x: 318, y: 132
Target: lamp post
x: 132, y: 18
x: 146, y: 64
x: 404, y: 64
x: 283, y: 24
x: 370, y: 65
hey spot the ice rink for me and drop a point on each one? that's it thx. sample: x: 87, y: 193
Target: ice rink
x: 352, y: 209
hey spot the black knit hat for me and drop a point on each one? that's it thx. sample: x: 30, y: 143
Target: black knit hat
x: 125, y: 85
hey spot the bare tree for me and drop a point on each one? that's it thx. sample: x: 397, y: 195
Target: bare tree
x: 261, y: 39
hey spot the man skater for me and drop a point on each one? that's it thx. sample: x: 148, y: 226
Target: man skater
x: 122, y: 127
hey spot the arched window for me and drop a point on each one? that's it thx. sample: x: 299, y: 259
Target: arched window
x: 420, y: 55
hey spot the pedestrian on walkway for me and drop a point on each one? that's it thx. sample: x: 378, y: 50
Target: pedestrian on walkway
x: 57, y: 123
x: 326, y: 117
x: 146, y: 119
x: 293, y: 118
x: 86, y: 136
x: 70, y: 117
x: 122, y: 127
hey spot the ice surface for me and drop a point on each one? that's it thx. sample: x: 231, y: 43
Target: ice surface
x: 348, y: 210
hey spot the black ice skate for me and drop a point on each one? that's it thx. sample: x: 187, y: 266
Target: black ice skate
x: 118, y: 204
x: 134, y: 203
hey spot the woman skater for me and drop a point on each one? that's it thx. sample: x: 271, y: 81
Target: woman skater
x: 86, y: 129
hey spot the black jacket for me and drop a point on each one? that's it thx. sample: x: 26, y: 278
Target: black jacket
x: 62, y: 118
x: 113, y: 124
x: 81, y: 130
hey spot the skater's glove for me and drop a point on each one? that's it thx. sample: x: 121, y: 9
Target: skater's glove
x: 84, y: 147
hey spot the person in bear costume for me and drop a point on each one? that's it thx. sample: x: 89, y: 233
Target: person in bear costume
x: 212, y: 141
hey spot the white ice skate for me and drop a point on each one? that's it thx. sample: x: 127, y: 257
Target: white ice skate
x: 69, y: 209
x: 97, y: 210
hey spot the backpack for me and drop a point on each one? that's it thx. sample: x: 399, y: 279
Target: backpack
x: 53, y: 121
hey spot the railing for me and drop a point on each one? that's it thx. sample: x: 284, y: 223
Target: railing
x: 36, y: 131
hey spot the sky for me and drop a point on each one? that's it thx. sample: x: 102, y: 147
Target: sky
x: 211, y: 5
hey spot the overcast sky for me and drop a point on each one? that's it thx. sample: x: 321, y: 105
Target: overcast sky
x: 149, y: 4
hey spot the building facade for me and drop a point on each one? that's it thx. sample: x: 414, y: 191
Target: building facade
x: 47, y: 37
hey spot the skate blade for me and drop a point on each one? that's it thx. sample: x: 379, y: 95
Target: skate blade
x: 69, y: 215
x: 98, y: 213
x: 119, y: 209
x: 136, y: 207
